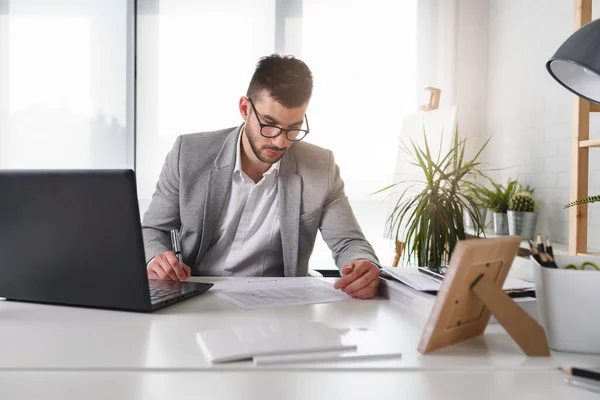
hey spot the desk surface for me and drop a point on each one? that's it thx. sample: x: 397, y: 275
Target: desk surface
x: 45, y: 337
x: 290, y: 385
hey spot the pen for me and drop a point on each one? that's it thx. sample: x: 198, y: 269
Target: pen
x: 176, y: 244
x: 582, y: 373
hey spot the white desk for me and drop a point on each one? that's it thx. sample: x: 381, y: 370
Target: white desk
x: 290, y: 385
x: 136, y: 351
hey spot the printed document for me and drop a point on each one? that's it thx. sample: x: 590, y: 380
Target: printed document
x: 278, y: 292
x: 419, y: 281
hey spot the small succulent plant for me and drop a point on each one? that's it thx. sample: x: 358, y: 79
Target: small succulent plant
x: 522, y: 201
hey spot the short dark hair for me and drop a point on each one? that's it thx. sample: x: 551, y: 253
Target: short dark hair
x: 285, y: 78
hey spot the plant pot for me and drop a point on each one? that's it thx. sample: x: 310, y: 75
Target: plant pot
x: 468, y: 221
x: 500, y: 224
x: 522, y: 223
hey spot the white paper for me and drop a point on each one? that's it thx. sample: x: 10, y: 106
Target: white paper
x: 422, y: 282
x: 416, y: 280
x: 517, y: 284
x: 279, y: 292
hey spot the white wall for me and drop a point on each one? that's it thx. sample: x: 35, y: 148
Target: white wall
x: 529, y: 114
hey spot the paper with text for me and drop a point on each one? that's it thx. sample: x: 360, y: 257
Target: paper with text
x: 280, y: 292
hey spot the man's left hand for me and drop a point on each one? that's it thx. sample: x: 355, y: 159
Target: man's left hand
x: 360, y: 279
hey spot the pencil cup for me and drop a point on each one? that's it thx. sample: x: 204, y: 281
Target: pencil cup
x: 568, y: 303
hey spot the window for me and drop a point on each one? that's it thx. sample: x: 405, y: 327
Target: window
x: 363, y: 57
x: 195, y: 60
x: 66, y: 84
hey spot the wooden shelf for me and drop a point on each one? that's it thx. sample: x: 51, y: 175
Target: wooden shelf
x: 590, y: 143
x: 590, y: 253
x: 580, y: 144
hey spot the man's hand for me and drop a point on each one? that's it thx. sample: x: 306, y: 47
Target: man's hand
x: 166, y: 267
x: 360, y: 279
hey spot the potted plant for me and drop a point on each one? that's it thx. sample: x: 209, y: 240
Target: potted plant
x: 481, y: 206
x: 428, y: 215
x: 497, y: 199
x: 522, y: 217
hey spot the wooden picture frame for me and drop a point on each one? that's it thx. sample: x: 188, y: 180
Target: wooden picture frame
x: 472, y: 290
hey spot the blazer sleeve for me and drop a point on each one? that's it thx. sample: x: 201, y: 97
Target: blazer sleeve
x: 339, y: 227
x: 163, y: 212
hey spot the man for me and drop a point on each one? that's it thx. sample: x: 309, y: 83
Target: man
x: 249, y: 200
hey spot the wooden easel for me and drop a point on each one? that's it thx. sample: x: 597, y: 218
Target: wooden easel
x: 434, y: 99
x: 434, y: 104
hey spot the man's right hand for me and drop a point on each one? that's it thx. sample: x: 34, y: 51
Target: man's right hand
x: 166, y: 267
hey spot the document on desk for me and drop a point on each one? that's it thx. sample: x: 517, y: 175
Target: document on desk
x: 279, y: 292
x: 421, y: 282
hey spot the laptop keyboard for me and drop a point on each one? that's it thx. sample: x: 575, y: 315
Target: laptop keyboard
x: 157, y: 294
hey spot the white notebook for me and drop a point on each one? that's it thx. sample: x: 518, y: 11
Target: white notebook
x: 272, y: 338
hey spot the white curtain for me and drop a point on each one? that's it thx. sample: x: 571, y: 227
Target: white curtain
x: 364, y: 58
x: 437, y: 46
x: 65, y: 86
x: 195, y: 60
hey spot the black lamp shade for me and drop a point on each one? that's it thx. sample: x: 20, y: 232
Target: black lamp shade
x: 576, y: 64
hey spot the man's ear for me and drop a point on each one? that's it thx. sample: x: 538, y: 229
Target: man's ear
x: 244, y: 108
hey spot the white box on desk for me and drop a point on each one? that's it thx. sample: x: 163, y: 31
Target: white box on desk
x: 569, y: 304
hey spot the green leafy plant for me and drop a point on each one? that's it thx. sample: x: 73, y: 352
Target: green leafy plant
x: 498, y: 197
x: 431, y: 211
x: 585, y: 200
x: 522, y: 201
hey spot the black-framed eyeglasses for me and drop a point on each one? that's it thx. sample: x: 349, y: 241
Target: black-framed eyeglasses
x: 272, y: 131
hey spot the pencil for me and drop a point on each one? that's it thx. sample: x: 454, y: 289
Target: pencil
x: 544, y: 260
x: 550, y: 263
x: 533, y: 247
x: 540, y: 244
x: 534, y: 252
x: 549, y: 248
x: 582, y: 373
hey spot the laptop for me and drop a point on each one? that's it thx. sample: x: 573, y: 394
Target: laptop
x: 74, y: 238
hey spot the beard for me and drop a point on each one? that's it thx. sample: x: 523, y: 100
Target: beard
x: 259, y: 152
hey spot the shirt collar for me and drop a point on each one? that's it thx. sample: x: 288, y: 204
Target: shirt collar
x: 238, y: 157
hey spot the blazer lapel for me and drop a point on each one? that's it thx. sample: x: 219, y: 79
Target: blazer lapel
x: 219, y: 184
x: 289, y: 191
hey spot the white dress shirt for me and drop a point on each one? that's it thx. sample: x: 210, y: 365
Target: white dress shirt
x: 248, y: 237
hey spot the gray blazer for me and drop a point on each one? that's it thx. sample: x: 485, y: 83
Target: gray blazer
x: 194, y: 184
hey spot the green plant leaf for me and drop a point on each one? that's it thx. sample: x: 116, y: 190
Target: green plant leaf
x: 430, y: 212
x: 585, y: 200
